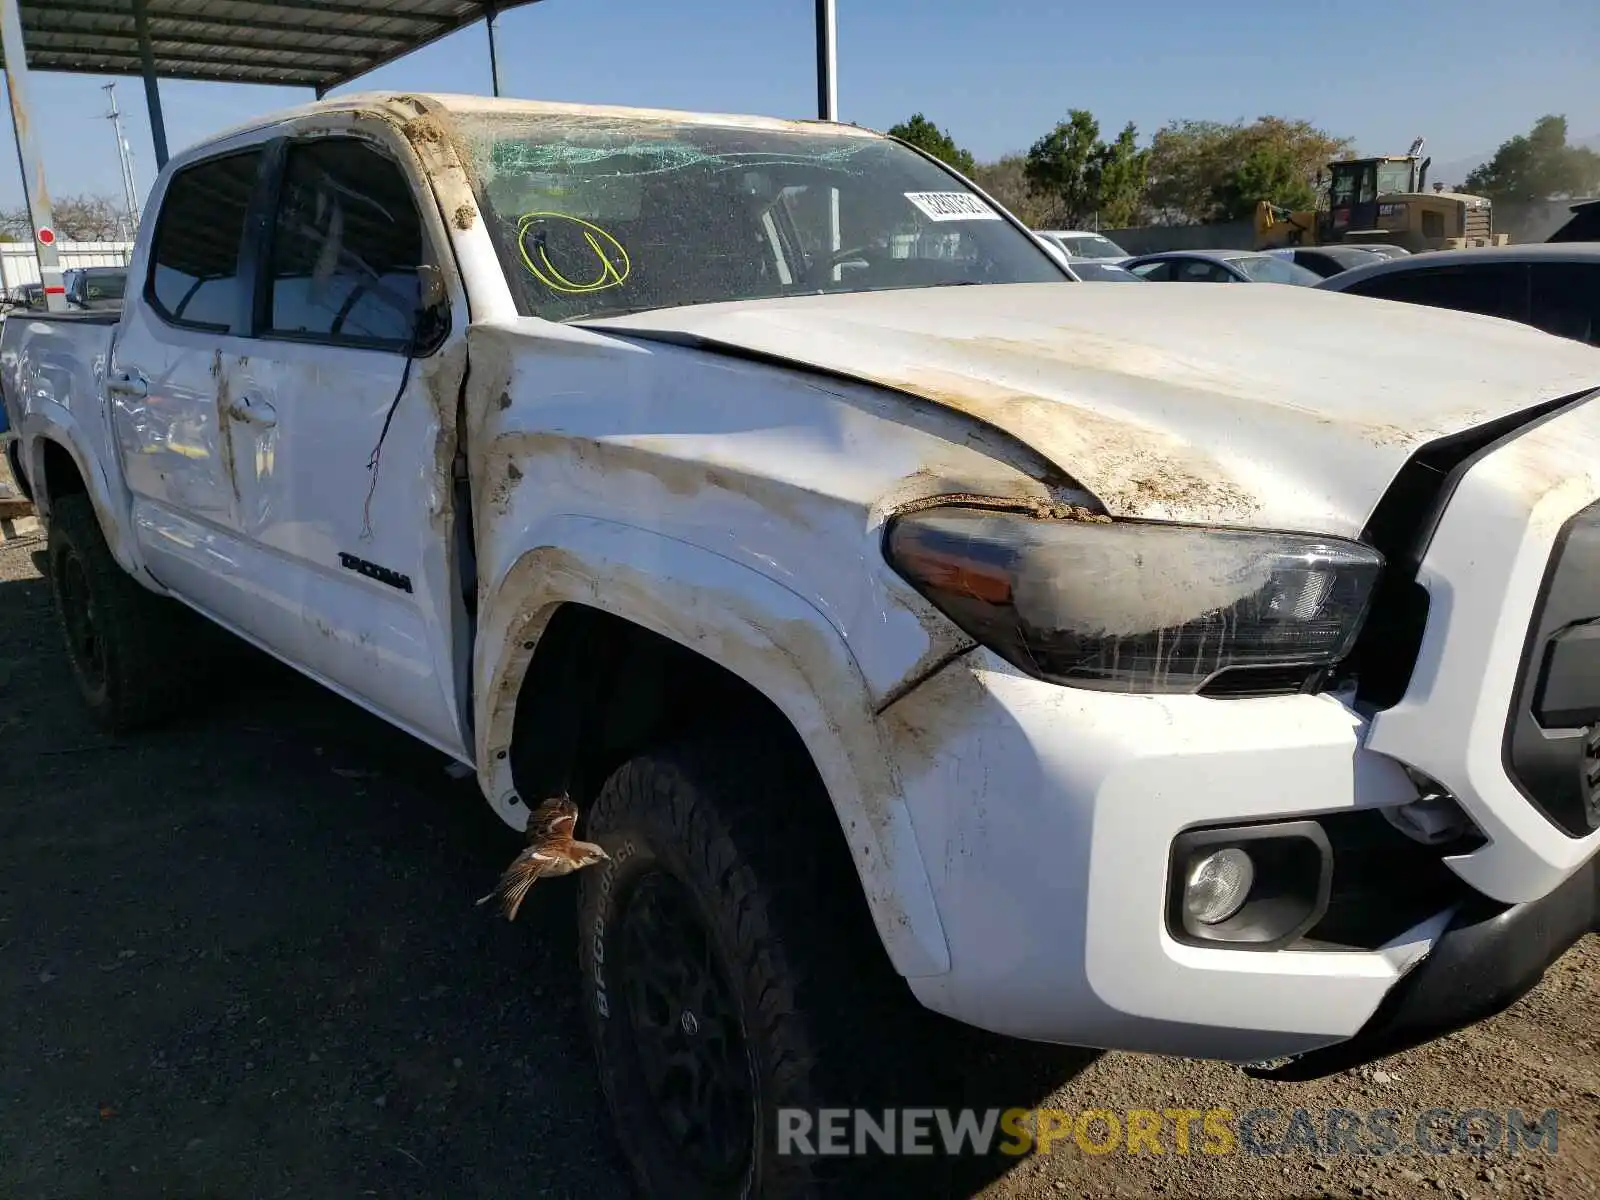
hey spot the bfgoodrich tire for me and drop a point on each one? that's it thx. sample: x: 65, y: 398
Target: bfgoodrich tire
x: 728, y: 968
x: 124, y: 642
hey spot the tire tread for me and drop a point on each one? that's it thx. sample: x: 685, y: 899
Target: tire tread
x: 147, y: 654
x: 745, y: 818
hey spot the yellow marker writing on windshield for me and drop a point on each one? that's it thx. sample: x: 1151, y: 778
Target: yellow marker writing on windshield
x: 609, y: 254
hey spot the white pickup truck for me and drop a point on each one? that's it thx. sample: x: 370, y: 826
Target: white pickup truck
x: 1205, y: 672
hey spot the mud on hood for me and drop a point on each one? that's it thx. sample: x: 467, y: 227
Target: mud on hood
x: 1255, y: 405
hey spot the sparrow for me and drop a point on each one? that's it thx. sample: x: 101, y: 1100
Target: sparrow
x: 551, y: 850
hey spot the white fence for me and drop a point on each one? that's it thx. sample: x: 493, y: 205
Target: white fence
x: 19, y: 264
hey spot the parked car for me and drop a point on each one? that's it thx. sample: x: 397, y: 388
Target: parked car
x: 29, y: 296
x: 1582, y: 226
x: 1324, y: 261
x: 95, y: 289
x: 1553, y: 286
x: 1100, y: 270
x: 1081, y: 243
x: 1103, y: 669
x: 1381, y: 249
x: 1218, y: 266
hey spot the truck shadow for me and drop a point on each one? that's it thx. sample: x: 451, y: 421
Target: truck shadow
x: 959, y: 1068
x: 240, y: 956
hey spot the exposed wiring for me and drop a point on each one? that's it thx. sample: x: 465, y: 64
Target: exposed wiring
x: 377, y: 450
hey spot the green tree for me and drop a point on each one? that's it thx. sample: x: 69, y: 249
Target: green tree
x: 1195, y: 166
x: 1123, y: 171
x: 1186, y: 161
x: 1084, y: 179
x: 1538, y: 165
x: 925, y: 135
x: 1060, y: 167
x: 1006, y: 180
x: 1268, y: 173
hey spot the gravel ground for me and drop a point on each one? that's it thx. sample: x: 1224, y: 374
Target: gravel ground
x: 239, y: 958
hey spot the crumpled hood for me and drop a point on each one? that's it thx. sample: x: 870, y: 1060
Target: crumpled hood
x: 1256, y: 404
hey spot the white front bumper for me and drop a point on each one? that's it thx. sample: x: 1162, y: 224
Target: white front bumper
x: 1046, y: 817
x: 1046, y: 814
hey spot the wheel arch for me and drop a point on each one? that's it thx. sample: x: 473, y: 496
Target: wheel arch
x: 734, y: 637
x: 57, y: 466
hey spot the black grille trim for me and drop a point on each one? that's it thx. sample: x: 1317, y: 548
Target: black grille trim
x: 1401, y: 528
x: 1384, y: 883
x: 1551, y: 767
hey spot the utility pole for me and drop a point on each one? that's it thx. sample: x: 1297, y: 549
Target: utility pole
x: 130, y: 189
x: 39, y: 215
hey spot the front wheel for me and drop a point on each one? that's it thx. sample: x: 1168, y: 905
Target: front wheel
x: 725, y: 971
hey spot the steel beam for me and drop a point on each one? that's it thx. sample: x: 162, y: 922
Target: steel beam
x: 39, y: 214
x: 39, y: 15
x: 827, y: 62
x: 46, y: 31
x: 223, y: 73
x: 152, y: 85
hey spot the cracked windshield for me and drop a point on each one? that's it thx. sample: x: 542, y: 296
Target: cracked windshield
x: 602, y: 217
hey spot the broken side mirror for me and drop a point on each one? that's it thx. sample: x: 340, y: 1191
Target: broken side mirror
x: 433, y: 309
x: 430, y: 287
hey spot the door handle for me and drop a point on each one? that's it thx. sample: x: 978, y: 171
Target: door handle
x: 253, y: 410
x: 127, y: 383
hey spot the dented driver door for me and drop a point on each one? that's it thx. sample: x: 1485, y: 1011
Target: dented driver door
x: 340, y: 430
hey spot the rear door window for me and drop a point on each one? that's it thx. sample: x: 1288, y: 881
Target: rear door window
x: 1565, y: 300
x: 194, y: 276
x: 1159, y: 272
x: 1489, y: 289
x: 1194, y: 270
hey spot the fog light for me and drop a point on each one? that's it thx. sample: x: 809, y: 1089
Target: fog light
x: 1218, y: 885
x: 1248, y: 887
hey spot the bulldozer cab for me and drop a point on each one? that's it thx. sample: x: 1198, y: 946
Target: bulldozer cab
x: 1381, y: 199
x: 1358, y: 188
x: 1387, y: 200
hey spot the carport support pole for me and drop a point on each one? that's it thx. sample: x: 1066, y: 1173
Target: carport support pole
x: 152, y: 89
x: 55, y: 296
x: 828, y: 107
x: 489, y: 14
x: 827, y: 62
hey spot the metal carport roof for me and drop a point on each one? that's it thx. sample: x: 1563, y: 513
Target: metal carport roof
x: 318, y: 44
x: 294, y: 43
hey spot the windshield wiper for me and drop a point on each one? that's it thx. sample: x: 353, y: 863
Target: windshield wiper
x: 596, y: 314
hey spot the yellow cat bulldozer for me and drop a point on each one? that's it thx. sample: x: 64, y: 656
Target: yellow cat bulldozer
x: 1382, y: 200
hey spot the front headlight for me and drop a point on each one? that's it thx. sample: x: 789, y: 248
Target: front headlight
x: 1135, y: 607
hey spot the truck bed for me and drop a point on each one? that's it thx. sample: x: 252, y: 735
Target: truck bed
x: 50, y: 359
x: 86, y: 316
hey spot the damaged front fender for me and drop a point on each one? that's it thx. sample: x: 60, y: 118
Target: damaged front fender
x: 749, y: 624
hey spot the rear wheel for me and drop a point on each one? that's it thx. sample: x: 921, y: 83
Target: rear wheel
x: 729, y: 970
x: 125, y: 643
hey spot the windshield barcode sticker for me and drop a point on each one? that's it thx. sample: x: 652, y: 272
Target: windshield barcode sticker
x: 952, y: 206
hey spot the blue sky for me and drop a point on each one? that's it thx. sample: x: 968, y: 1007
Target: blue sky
x: 996, y: 74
